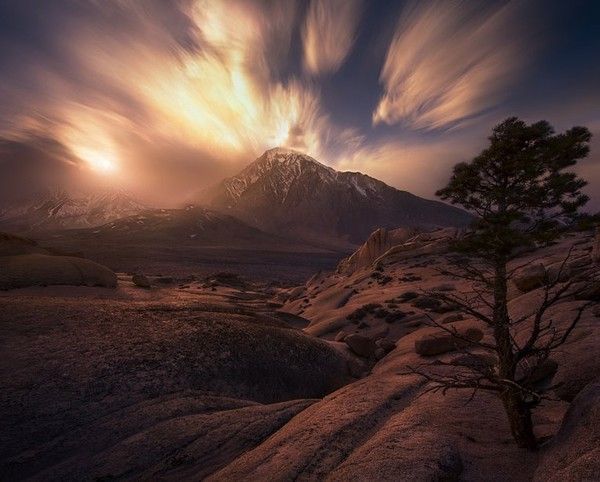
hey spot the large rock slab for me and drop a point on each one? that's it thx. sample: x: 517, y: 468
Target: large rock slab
x: 41, y: 270
x: 403, y: 449
x: 141, y: 280
x: 378, y: 243
x: 574, y: 453
x: 579, y: 366
x: 186, y: 446
x: 361, y: 345
x: 93, y: 383
x: 320, y: 438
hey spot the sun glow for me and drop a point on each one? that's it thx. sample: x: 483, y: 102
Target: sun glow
x: 102, y: 162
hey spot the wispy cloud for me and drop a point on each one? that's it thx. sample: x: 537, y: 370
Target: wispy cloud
x: 412, y: 164
x: 450, y: 61
x: 329, y: 34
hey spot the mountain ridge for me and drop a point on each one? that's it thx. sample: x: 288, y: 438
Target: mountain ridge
x: 63, y: 209
x: 290, y: 193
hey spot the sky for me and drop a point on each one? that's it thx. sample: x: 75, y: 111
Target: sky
x: 163, y: 98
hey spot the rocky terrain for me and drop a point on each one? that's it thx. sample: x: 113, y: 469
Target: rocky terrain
x: 292, y: 194
x: 223, y: 378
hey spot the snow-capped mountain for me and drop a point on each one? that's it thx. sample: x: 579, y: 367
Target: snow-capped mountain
x: 289, y: 193
x: 61, y: 209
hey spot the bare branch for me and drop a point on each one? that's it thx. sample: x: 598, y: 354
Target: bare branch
x: 464, y: 304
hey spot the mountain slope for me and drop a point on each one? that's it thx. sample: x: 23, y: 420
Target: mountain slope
x: 194, y: 225
x: 292, y: 194
x: 60, y: 209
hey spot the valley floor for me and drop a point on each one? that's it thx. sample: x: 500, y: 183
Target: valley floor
x: 287, y: 264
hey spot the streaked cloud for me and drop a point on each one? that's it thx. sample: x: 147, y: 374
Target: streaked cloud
x: 329, y: 33
x: 450, y: 61
x: 412, y: 164
x: 167, y: 97
x: 215, y: 89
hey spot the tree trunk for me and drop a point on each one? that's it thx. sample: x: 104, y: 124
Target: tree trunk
x: 501, y: 321
x: 519, y: 414
x: 519, y: 417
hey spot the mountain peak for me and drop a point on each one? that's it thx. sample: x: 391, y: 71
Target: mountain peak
x: 287, y: 155
x: 289, y: 193
x: 282, y: 150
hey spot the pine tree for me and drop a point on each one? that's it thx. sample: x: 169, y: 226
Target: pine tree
x: 522, y: 193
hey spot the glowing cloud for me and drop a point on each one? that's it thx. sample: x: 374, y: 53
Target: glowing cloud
x: 447, y: 63
x: 220, y: 96
x: 329, y: 33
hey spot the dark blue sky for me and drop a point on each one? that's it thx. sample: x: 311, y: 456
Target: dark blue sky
x: 165, y: 97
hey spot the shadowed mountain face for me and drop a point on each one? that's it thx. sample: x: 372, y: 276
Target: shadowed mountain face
x: 290, y: 193
x: 195, y: 225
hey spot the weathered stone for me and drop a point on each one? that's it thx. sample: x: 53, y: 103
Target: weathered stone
x: 378, y: 243
x: 452, y: 318
x: 427, y: 303
x: 361, y: 345
x: 560, y: 271
x: 574, y: 454
x: 385, y: 344
x: 380, y: 353
x: 140, y: 280
x: 530, y: 277
x: 581, y: 369
x: 478, y: 361
x: 442, y: 342
x: 587, y: 290
x: 296, y: 293
x: 543, y: 371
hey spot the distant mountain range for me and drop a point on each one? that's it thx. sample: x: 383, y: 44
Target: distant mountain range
x: 291, y: 194
x: 59, y: 209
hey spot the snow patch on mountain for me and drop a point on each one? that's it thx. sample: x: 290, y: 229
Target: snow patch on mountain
x: 283, y: 167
